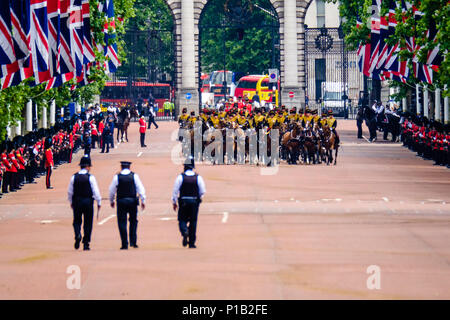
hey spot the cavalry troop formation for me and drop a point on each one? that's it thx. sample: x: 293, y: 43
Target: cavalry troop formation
x: 303, y: 137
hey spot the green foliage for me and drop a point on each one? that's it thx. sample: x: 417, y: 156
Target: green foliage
x: 155, y: 47
x: 252, y: 54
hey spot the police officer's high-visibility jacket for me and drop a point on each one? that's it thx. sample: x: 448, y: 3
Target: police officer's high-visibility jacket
x: 167, y: 106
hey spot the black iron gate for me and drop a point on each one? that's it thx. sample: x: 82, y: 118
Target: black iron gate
x: 333, y: 81
x: 150, y: 58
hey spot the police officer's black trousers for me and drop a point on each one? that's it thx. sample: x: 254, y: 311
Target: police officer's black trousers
x: 123, y: 211
x: 150, y: 121
x: 188, y: 213
x: 83, y: 208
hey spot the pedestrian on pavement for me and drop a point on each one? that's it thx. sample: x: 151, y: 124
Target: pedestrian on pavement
x: 142, y: 129
x: 188, y: 189
x: 151, y: 118
x: 82, y: 192
x: 127, y: 185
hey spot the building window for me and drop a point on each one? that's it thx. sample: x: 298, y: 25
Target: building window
x: 320, y: 13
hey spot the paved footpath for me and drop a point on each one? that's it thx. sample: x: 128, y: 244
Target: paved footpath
x: 303, y: 232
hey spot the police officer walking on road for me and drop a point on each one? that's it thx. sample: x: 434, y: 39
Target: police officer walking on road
x: 82, y: 192
x: 189, y: 189
x: 127, y: 185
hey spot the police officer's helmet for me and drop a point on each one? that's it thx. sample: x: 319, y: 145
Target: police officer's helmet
x: 189, y: 163
x: 85, y: 162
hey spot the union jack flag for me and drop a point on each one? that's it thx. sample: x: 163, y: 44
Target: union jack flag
x: 375, y: 42
x: 20, y: 19
x: 66, y: 63
x: 7, y: 55
x: 76, y: 27
x: 110, y: 49
x: 88, y: 51
x: 54, y: 35
x: 59, y: 80
x: 39, y: 40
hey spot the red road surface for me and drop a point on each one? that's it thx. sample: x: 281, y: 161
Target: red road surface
x: 306, y: 232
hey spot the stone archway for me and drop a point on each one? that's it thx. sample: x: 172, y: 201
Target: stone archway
x: 291, y: 15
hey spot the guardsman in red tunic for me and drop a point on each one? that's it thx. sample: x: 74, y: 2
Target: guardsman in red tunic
x: 22, y: 164
x: 14, y: 185
x: 7, y: 175
x: 48, y: 155
x: 2, y: 172
x: 94, y: 133
x: 101, y: 126
x: 142, y: 129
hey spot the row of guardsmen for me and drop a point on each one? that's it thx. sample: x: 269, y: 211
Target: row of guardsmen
x: 430, y: 139
x: 258, y: 117
x: 36, y: 154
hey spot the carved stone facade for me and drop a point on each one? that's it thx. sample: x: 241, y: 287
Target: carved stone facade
x: 291, y: 15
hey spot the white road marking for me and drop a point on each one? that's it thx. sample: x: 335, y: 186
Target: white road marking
x: 106, y: 219
x: 139, y: 154
x: 385, y: 199
x: 167, y: 218
x: 225, y: 217
x: 47, y: 221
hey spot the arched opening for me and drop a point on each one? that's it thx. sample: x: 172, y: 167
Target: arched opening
x: 240, y: 37
x: 147, y: 74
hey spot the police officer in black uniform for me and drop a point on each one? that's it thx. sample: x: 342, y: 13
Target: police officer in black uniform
x: 83, y: 189
x: 127, y: 185
x: 188, y: 190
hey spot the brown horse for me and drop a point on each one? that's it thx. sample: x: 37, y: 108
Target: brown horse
x: 309, y: 146
x: 330, y: 143
x: 291, y: 144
